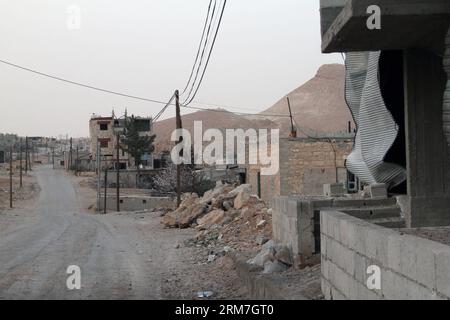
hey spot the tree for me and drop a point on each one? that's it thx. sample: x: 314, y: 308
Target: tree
x: 135, y: 144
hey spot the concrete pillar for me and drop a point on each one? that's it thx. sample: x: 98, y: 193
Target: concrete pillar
x: 428, y: 157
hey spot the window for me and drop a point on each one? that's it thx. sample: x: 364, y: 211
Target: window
x: 103, y: 126
x: 104, y: 143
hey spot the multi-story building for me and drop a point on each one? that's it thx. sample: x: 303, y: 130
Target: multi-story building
x: 104, y: 132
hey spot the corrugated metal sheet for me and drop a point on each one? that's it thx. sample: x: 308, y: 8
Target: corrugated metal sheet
x: 376, y: 128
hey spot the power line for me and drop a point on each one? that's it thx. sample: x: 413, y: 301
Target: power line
x: 81, y: 84
x: 203, y: 51
x: 199, y: 46
x: 126, y: 94
x: 210, y: 52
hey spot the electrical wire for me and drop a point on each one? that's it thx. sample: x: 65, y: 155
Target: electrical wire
x: 166, y: 104
x: 199, y: 47
x: 203, y: 52
x: 210, y: 52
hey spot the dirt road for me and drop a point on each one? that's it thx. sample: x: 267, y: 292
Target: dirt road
x: 121, y: 256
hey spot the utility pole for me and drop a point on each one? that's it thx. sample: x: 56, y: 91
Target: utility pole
x: 98, y: 176
x: 293, y: 131
x: 118, y: 175
x: 20, y: 152
x: 179, y: 126
x: 106, y: 189
x: 10, y: 177
x: 53, y: 157
x: 26, y: 155
x: 76, y: 162
x: 70, y: 155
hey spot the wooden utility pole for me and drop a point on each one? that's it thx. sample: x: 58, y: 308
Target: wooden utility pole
x: 98, y: 176
x: 76, y: 162
x: 10, y: 177
x: 118, y: 174
x: 106, y: 190
x: 70, y: 154
x: 179, y: 126
x: 26, y: 155
x: 53, y: 156
x: 20, y: 153
x: 293, y: 131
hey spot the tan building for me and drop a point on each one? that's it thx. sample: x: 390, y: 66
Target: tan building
x: 305, y: 166
x: 104, y: 132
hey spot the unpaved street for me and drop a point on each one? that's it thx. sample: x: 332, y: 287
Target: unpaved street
x: 121, y: 256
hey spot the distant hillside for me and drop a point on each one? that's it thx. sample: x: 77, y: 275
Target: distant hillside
x: 210, y: 119
x: 318, y: 107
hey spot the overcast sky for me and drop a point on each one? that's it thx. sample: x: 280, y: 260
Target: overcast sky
x: 265, y: 49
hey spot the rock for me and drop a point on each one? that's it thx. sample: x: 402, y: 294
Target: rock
x: 284, y: 255
x: 190, y: 215
x: 228, y: 205
x: 227, y: 249
x: 268, y: 245
x: 261, y: 240
x: 270, y: 211
x: 177, y: 246
x: 261, y: 224
x: 211, y: 258
x: 212, y: 218
x: 242, y: 197
x: 266, y: 255
x: 242, y: 187
x: 274, y: 267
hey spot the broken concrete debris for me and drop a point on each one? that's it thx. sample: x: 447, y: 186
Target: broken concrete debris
x: 273, y: 258
x: 227, y: 218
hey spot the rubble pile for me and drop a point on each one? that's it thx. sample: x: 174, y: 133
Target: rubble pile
x: 227, y: 218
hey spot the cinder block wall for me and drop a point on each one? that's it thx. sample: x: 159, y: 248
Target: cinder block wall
x: 411, y: 267
x: 137, y: 203
x: 293, y: 226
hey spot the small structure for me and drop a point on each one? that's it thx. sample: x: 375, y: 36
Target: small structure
x: 306, y: 164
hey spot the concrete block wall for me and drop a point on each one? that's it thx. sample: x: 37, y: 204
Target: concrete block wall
x: 411, y: 267
x: 137, y: 203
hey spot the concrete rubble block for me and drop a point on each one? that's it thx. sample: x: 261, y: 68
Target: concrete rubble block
x: 274, y: 267
x: 325, y: 268
x: 241, y: 199
x: 284, y: 255
x: 211, y: 218
x: 333, y: 190
x: 377, y: 191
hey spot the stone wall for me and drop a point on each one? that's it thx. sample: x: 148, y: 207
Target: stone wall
x: 411, y: 267
x: 305, y: 166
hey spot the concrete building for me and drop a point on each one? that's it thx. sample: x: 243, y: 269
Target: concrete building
x: 306, y: 164
x: 103, y: 133
x: 412, y: 41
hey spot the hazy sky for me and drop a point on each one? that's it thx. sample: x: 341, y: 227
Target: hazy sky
x: 265, y: 49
